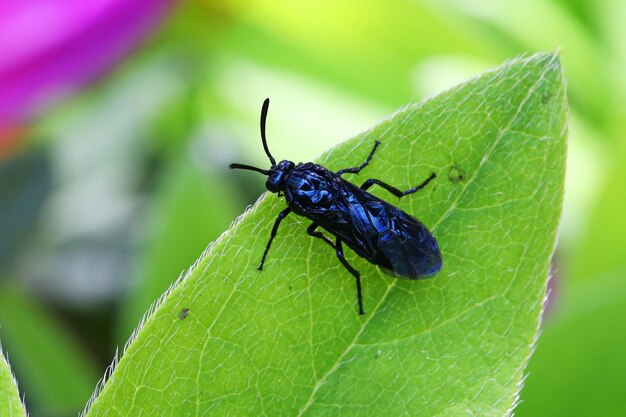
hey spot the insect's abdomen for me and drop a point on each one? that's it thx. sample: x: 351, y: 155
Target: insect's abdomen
x: 400, y: 244
x: 408, y: 250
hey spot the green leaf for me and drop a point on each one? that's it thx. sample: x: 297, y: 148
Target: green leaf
x: 289, y: 341
x: 10, y: 403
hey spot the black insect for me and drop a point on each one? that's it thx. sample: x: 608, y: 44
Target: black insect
x: 386, y: 236
x: 183, y: 313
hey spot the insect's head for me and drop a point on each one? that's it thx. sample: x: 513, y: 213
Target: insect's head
x: 277, y: 173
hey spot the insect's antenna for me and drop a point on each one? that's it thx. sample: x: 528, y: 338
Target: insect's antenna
x: 266, y: 106
x: 248, y: 167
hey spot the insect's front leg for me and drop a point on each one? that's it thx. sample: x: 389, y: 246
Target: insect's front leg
x: 356, y: 170
x: 393, y: 190
x: 279, y: 219
x: 354, y: 272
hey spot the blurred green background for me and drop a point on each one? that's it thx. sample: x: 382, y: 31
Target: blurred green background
x: 109, y: 193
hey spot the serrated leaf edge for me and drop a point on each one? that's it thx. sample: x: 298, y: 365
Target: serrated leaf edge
x: 5, y: 357
x: 158, y: 303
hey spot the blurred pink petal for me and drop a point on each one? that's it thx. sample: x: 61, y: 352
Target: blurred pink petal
x: 48, y: 48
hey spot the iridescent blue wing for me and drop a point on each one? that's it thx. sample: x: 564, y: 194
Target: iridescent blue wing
x: 388, y: 237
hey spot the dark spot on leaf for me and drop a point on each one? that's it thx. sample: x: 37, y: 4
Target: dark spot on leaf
x: 290, y: 287
x: 456, y: 174
x: 546, y: 97
x: 183, y: 313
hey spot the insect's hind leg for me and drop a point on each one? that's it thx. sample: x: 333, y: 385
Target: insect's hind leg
x: 393, y: 190
x: 339, y: 250
x: 279, y: 219
x: 356, y: 170
x: 354, y: 272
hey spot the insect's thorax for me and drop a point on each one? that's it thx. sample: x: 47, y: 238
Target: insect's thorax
x: 311, y: 187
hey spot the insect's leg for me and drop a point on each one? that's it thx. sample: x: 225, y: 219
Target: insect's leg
x: 355, y: 170
x: 393, y: 190
x: 280, y: 218
x: 311, y: 231
x: 354, y: 272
